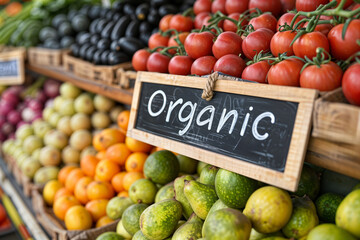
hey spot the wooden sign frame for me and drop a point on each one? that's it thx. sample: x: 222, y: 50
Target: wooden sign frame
x: 288, y: 179
x: 18, y: 54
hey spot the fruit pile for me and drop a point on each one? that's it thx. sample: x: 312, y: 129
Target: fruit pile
x: 63, y: 135
x: 116, y: 33
x: 253, y: 40
x: 20, y: 105
x: 181, y: 198
x: 110, y: 172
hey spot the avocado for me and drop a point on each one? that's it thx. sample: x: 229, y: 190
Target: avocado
x: 309, y: 183
x: 109, y: 236
x: 165, y: 192
x: 131, y: 217
x: 233, y: 189
x: 161, y: 167
x: 326, y: 206
x: 208, y: 175
x: 160, y: 220
x: 80, y: 23
x: 103, y: 44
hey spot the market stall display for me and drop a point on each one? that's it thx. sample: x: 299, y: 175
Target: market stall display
x: 241, y: 118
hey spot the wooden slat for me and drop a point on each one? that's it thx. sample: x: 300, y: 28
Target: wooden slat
x: 118, y: 94
x: 341, y: 158
x: 335, y: 120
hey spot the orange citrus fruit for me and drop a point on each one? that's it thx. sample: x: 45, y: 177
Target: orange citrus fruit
x: 64, y: 172
x: 97, y: 208
x: 135, y: 162
x: 105, y: 220
x: 106, y: 169
x: 88, y: 165
x: 123, y: 119
x: 130, y: 178
x: 117, y: 181
x: 62, y: 192
x: 80, y: 189
x: 99, y: 190
x: 73, y: 177
x: 78, y: 218
x: 137, y: 146
x: 106, y: 138
x: 63, y: 204
x: 118, y: 153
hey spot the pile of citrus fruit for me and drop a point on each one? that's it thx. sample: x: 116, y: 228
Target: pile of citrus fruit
x: 81, y: 194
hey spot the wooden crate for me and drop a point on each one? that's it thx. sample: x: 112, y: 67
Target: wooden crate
x: 104, y: 74
x: 56, y: 228
x: 335, y: 120
x: 126, y: 78
x: 45, y: 56
x: 12, y: 60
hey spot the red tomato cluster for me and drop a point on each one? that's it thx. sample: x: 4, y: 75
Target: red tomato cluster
x: 228, y: 51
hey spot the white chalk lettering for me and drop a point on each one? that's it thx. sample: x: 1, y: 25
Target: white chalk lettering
x: 171, y: 108
x: 151, y: 101
x: 224, y: 119
x: 243, y: 128
x: 256, y: 122
x: 208, y: 121
x: 188, y: 118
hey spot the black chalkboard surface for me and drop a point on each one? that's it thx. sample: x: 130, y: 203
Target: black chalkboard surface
x: 257, y: 130
x: 240, y: 143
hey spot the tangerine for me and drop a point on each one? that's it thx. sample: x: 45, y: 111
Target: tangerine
x: 117, y: 181
x: 50, y: 190
x: 62, y: 192
x: 80, y: 189
x: 130, y: 178
x: 97, y: 208
x: 123, y: 194
x: 107, y: 137
x: 118, y: 153
x: 63, y: 204
x: 106, y: 169
x: 101, y: 155
x: 88, y: 165
x: 73, y: 177
x: 64, y: 172
x: 123, y: 119
x: 99, y: 190
x: 137, y: 146
x: 135, y: 162
x: 78, y: 218
x: 105, y: 220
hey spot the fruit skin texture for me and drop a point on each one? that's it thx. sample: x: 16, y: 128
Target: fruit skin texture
x: 63, y: 204
x: 309, y: 183
x: 131, y: 217
x: 166, y: 192
x: 286, y: 73
x: 269, y: 209
x: 329, y: 232
x: 179, y: 184
x: 97, y: 208
x: 326, y: 206
x: 143, y: 191
x: 351, y: 84
x: 302, y: 220
x: 208, y: 175
x: 200, y: 196
x: 187, y: 165
x: 326, y: 78
x: 227, y: 224
x: 161, y: 167
x: 216, y: 206
x: 189, y: 230
x: 78, y: 218
x: 122, y: 231
x: 348, y: 213
x: 50, y: 190
x: 109, y: 236
x: 116, y: 207
x: 233, y: 189
x: 343, y: 49
x: 160, y: 220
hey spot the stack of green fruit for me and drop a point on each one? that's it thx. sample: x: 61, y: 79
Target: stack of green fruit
x: 64, y: 134
x: 184, y: 199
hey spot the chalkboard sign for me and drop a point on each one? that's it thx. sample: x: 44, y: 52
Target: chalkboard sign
x: 260, y: 131
x: 12, y: 67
